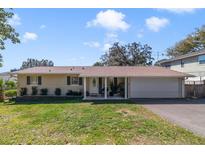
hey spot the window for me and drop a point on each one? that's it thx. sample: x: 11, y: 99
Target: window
x: 80, y: 81
x: 201, y: 59
x: 68, y: 80
x: 167, y: 65
x: 94, y: 82
x: 39, y: 80
x: 28, y: 80
x: 182, y: 63
x: 74, y: 80
x: 34, y: 80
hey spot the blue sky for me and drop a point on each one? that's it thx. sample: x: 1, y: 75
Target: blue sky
x: 81, y: 36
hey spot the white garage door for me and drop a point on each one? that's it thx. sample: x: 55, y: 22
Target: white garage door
x: 154, y: 88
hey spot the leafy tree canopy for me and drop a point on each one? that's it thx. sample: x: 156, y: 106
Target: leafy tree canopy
x: 7, y: 32
x: 192, y: 43
x: 10, y: 84
x: 131, y: 54
x: 34, y: 62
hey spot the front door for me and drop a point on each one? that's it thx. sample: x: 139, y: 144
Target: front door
x: 94, y: 85
x: 100, y: 86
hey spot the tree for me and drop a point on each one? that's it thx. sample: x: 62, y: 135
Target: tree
x: 116, y: 56
x: 131, y: 54
x: 34, y: 62
x: 140, y: 54
x: 97, y: 64
x: 158, y: 63
x: 10, y: 84
x: 192, y: 43
x: 1, y: 90
x: 7, y: 32
x: 1, y: 84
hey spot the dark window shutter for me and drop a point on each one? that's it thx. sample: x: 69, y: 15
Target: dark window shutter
x: 39, y: 80
x: 28, y: 80
x: 80, y: 81
x: 68, y: 80
x: 115, y: 81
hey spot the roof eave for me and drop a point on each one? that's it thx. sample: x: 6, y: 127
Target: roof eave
x: 140, y: 76
x: 184, y: 57
x: 45, y: 73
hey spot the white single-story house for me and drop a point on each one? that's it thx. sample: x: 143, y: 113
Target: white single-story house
x: 102, y: 82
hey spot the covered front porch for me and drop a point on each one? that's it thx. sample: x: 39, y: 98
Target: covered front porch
x: 105, y: 88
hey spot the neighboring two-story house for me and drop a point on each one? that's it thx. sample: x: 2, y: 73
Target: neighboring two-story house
x: 192, y: 63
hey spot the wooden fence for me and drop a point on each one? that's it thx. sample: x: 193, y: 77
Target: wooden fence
x: 195, y: 89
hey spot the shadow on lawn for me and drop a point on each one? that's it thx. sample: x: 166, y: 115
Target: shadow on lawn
x: 153, y: 101
x: 98, y: 102
x: 170, y: 101
x: 67, y: 101
x: 44, y: 101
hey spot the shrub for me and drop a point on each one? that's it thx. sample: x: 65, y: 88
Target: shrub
x: 44, y: 91
x: 111, y: 93
x: 58, y: 91
x: 76, y: 93
x: 73, y: 93
x: 2, y: 85
x: 69, y: 93
x: 34, y: 91
x: 10, y: 93
x: 10, y: 84
x: 23, y: 91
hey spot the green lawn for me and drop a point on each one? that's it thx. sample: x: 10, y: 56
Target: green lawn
x: 74, y: 122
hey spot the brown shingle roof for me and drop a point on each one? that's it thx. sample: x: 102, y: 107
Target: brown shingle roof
x: 103, y: 71
x: 52, y: 70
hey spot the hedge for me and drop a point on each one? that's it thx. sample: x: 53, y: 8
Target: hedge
x: 10, y: 93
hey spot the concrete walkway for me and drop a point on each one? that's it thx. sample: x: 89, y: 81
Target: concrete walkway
x: 187, y: 113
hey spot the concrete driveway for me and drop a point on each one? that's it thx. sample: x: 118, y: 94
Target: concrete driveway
x: 187, y: 113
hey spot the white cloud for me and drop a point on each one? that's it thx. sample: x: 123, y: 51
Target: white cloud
x: 110, y: 19
x: 179, y: 10
x: 106, y: 46
x: 156, y: 23
x: 15, y: 20
x: 92, y: 44
x: 42, y: 26
x: 29, y: 36
x: 111, y: 37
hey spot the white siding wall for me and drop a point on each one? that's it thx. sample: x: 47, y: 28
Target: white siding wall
x: 51, y: 82
x: 155, y: 88
x: 191, y: 66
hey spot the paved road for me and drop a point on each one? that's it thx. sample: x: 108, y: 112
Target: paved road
x: 189, y: 113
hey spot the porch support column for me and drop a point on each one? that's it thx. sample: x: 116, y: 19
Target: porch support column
x: 183, y: 90
x: 125, y: 87
x: 84, y: 87
x: 105, y: 92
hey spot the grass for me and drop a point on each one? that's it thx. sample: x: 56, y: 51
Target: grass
x: 73, y: 122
